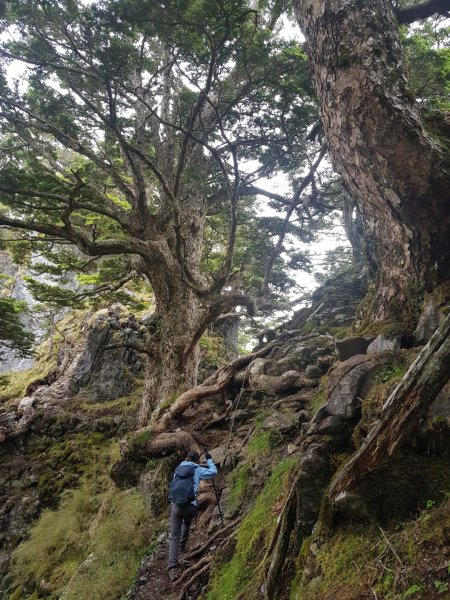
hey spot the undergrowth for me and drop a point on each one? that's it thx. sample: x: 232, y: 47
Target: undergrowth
x: 84, y: 549
x: 361, y: 561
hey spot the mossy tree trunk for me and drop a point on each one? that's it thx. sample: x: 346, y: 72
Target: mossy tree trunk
x: 398, y: 176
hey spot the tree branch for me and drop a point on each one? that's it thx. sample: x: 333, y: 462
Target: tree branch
x: 422, y: 11
x: 99, y: 248
x: 294, y: 203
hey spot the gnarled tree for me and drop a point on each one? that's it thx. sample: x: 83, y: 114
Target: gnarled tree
x: 129, y: 134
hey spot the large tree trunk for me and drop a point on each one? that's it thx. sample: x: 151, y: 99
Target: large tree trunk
x: 172, y: 361
x: 397, y: 174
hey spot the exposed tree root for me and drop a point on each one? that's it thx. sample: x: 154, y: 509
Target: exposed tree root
x: 205, y: 560
x: 164, y: 444
x: 402, y: 412
x: 216, y: 384
x: 211, y: 539
x: 193, y: 579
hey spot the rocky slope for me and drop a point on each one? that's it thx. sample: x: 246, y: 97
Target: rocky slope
x: 280, y: 421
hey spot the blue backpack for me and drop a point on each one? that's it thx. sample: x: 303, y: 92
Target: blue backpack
x: 181, y: 491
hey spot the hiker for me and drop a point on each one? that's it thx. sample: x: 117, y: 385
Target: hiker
x: 182, y: 495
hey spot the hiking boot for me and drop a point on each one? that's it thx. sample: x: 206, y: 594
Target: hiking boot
x: 174, y: 573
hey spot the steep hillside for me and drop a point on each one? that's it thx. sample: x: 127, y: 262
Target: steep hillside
x: 280, y: 422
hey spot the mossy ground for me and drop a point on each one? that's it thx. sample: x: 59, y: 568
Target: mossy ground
x: 84, y: 549
x: 67, y: 333
x: 16, y: 383
x: 238, y: 577
x: 365, y: 561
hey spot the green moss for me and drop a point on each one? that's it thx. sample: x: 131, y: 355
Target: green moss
x: 320, y: 396
x: 238, y: 482
x: 91, y: 527
x: 63, y: 463
x: 359, y: 560
x: 17, y: 594
x: 239, y: 576
x: 122, y: 405
x: 262, y: 443
x: 16, y: 383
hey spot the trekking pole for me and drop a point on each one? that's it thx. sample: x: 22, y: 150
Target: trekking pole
x: 217, y: 497
x: 218, y: 504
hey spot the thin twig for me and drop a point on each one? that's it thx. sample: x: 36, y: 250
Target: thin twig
x: 390, y: 546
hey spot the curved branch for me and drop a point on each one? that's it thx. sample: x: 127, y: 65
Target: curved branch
x: 98, y: 248
x: 423, y: 11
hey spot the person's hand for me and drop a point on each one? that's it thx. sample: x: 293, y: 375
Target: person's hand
x: 207, y: 455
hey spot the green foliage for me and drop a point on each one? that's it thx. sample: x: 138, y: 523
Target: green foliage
x: 237, y: 577
x: 85, y: 167
x: 391, y: 373
x: 84, y: 548
x: 13, y: 335
x: 213, y: 349
x: 427, y: 59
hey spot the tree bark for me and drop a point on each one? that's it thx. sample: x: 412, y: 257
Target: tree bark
x: 397, y: 174
x: 169, y: 370
x: 405, y: 407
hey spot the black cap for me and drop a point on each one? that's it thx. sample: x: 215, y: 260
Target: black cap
x: 194, y: 455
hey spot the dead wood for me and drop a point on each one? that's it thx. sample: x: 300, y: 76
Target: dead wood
x: 279, y: 543
x: 402, y: 411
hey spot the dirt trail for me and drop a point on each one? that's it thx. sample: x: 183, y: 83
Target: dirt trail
x: 154, y: 584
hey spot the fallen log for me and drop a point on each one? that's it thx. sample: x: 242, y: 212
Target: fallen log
x: 402, y: 411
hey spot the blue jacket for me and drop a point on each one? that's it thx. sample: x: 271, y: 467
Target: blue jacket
x: 201, y: 473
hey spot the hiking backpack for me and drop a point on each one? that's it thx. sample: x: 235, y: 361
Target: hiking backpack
x: 181, y: 491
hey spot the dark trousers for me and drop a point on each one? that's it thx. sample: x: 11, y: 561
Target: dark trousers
x: 180, y: 523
